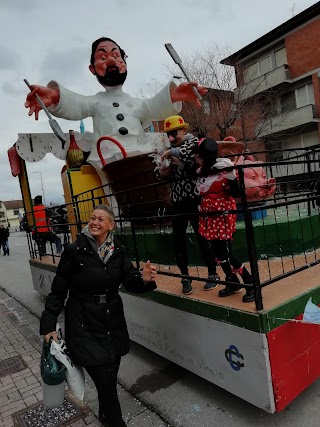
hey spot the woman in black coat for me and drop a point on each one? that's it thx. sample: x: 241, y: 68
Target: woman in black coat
x: 91, y: 269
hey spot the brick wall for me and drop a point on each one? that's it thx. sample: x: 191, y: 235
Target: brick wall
x: 303, y: 49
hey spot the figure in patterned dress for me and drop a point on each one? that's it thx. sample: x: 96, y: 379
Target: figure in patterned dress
x: 218, y: 189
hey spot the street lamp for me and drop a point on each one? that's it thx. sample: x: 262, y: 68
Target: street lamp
x: 155, y: 83
x: 44, y: 199
x: 149, y: 84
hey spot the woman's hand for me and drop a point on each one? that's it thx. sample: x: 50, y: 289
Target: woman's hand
x: 52, y: 335
x: 149, y: 272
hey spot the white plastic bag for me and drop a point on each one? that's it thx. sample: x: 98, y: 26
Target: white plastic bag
x: 204, y: 183
x: 74, y: 374
x: 223, y: 162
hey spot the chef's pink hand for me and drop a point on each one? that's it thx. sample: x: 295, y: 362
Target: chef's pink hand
x: 48, y: 97
x: 184, y: 92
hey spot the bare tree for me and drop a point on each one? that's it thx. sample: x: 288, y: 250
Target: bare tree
x: 218, y: 112
x: 242, y: 111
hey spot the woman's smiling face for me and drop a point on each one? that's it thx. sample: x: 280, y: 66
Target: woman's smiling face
x: 100, y: 224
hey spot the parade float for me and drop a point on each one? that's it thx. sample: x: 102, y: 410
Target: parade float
x: 262, y: 351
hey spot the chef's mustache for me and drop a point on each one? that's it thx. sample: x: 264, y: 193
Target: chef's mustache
x: 112, y: 77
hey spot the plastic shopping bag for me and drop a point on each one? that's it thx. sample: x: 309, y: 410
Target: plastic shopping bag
x: 74, y: 374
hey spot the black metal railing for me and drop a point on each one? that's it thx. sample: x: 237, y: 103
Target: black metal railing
x: 277, y: 232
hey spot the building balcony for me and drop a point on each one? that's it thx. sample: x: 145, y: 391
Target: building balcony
x: 270, y: 80
x: 285, y: 121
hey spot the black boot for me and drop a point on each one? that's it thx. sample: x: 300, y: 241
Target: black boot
x: 230, y: 289
x: 230, y: 277
x: 211, y: 285
x: 247, y: 278
x: 248, y: 296
x: 186, y: 286
x: 103, y: 420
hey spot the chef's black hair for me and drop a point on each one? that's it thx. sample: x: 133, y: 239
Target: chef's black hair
x: 105, y: 39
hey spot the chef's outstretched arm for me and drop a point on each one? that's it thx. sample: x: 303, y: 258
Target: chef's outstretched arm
x: 48, y: 96
x: 184, y: 92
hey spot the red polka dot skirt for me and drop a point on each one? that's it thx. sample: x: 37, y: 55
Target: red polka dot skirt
x: 220, y: 226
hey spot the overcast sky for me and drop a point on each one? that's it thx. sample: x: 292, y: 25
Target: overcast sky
x: 41, y: 40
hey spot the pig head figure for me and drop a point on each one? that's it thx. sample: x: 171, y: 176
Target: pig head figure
x: 258, y: 186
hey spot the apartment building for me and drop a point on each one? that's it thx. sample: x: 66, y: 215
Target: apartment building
x: 279, y: 73
x: 13, y: 211
x: 3, y: 214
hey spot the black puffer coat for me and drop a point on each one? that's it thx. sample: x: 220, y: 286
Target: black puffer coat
x: 4, y: 234
x: 96, y: 334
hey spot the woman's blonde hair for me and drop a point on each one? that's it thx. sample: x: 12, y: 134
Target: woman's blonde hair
x: 106, y: 209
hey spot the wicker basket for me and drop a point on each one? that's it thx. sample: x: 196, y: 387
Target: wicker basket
x: 139, y: 194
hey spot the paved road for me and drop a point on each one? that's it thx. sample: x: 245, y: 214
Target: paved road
x: 15, y: 276
x: 181, y: 398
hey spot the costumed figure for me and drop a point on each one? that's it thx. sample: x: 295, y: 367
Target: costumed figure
x: 114, y: 113
x: 218, y: 190
x: 178, y: 163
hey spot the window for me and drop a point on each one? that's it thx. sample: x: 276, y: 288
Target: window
x: 298, y: 98
x: 311, y: 94
x: 265, y: 65
x: 269, y: 108
x: 15, y: 211
x: 259, y: 68
x: 272, y: 154
x: 305, y: 95
x: 288, y: 102
x: 310, y: 138
x: 280, y: 57
x: 302, y: 96
x: 250, y: 72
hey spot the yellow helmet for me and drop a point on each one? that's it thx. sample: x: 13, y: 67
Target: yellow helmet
x: 174, y: 123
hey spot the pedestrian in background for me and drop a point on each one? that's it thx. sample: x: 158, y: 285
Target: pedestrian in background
x: 43, y: 232
x: 4, y: 239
